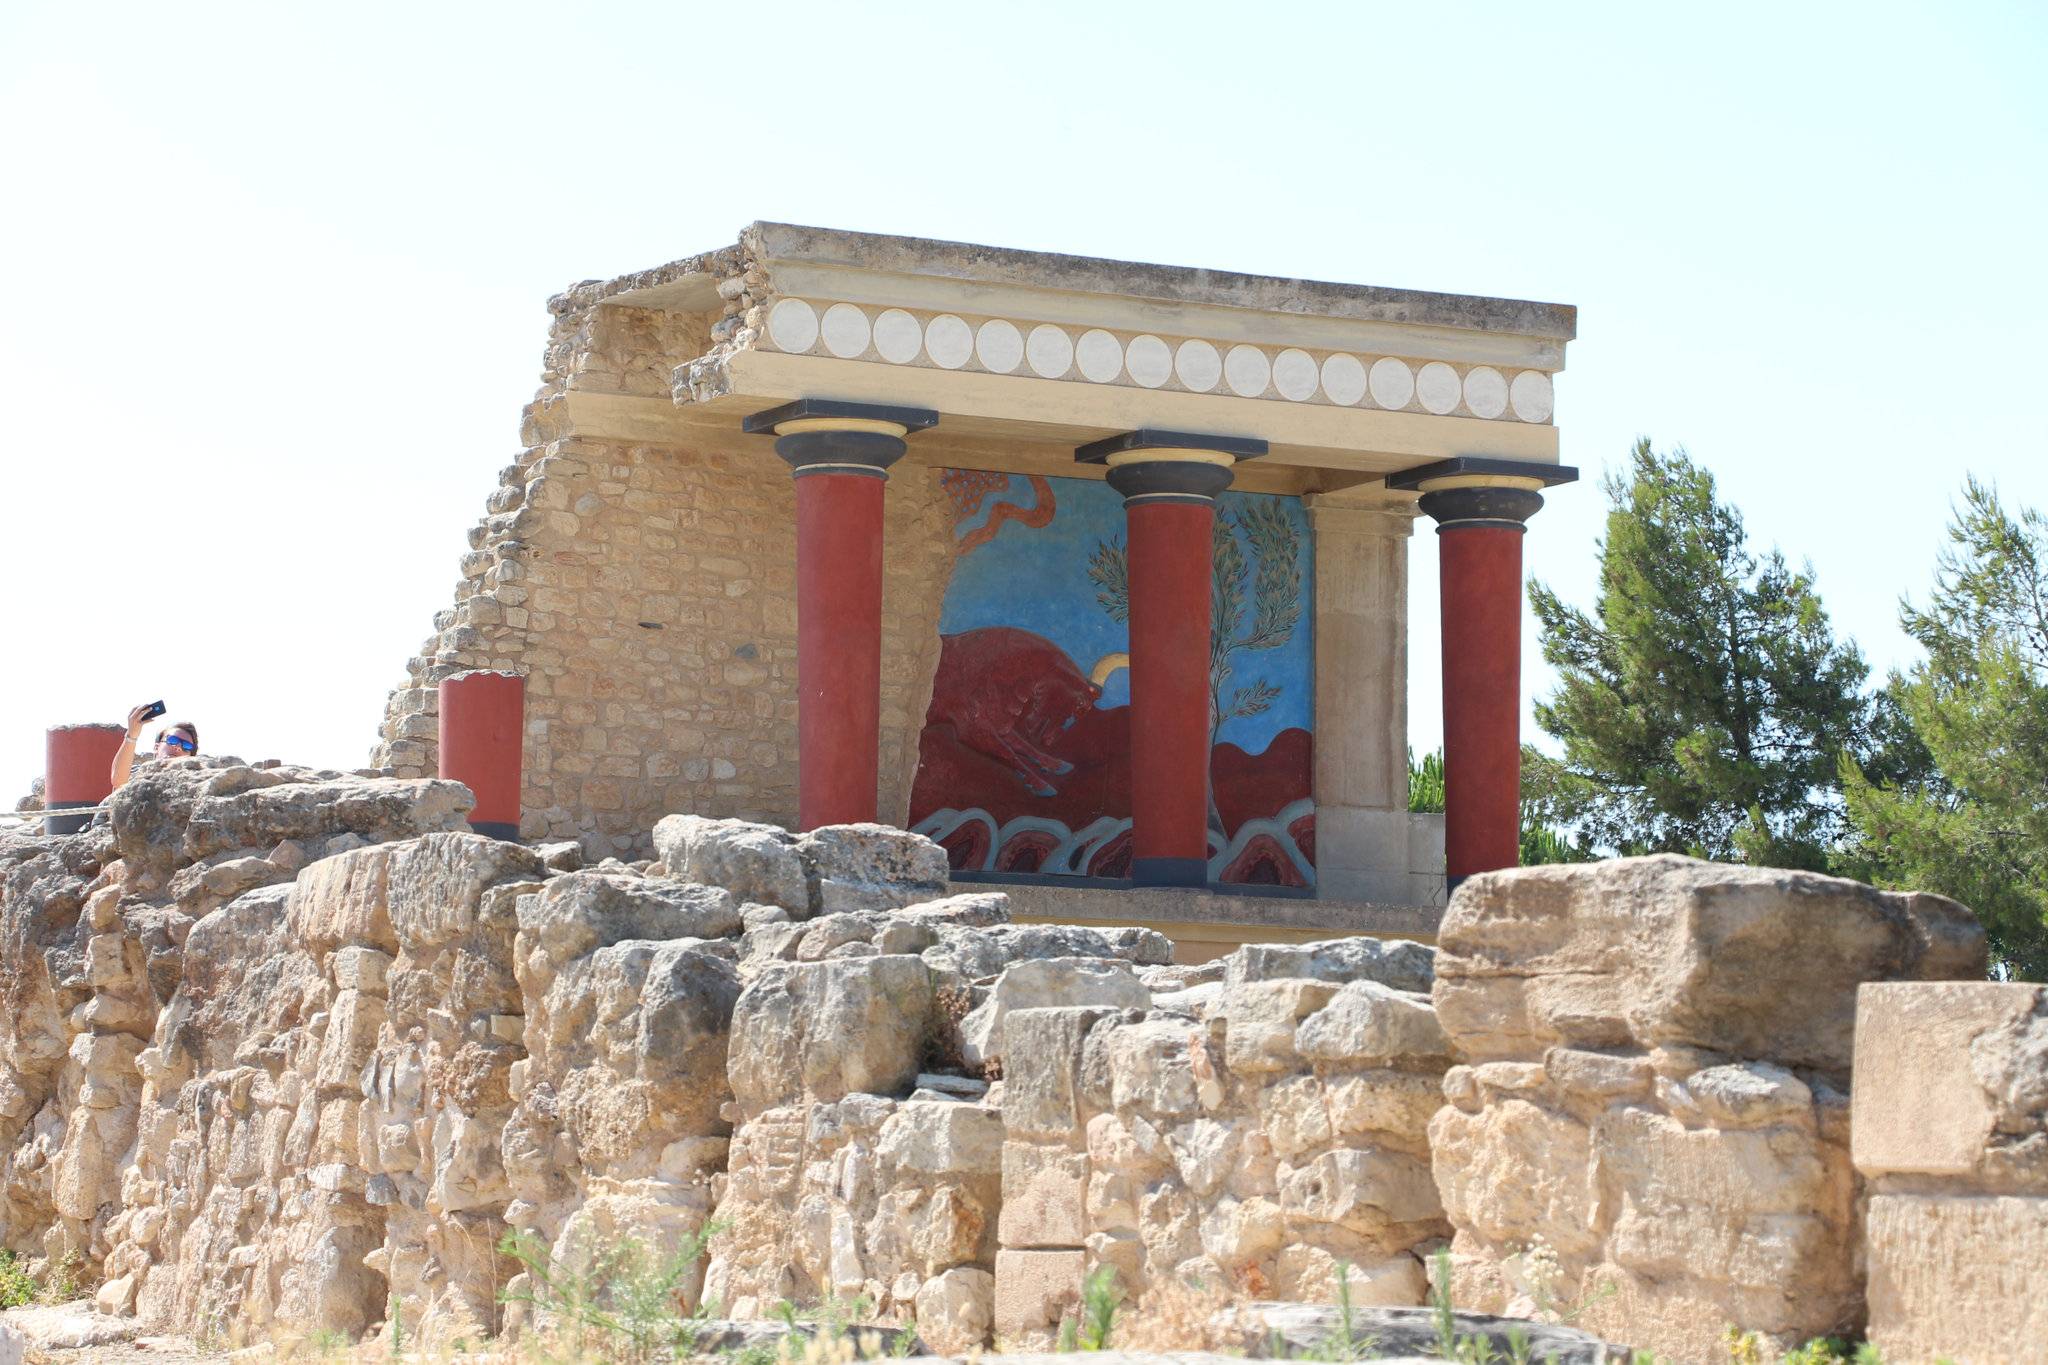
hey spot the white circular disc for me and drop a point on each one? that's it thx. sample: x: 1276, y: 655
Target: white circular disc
x: 1247, y: 371
x: 949, y: 341
x: 1531, y: 396
x: 1050, y: 351
x: 1294, y: 375
x: 793, y: 326
x: 1198, y: 365
x: 1343, y: 379
x: 898, y: 337
x: 1100, y: 356
x: 1391, y: 383
x: 1486, y: 391
x: 845, y: 330
x: 999, y: 345
x: 1149, y: 360
x: 1438, y: 387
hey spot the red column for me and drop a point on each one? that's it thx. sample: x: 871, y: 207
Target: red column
x: 1170, y: 572
x: 483, y: 730
x: 1482, y: 650
x: 78, y: 770
x: 838, y: 646
x: 839, y: 453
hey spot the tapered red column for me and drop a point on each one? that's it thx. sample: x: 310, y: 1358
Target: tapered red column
x: 1170, y: 481
x: 839, y: 454
x: 78, y: 763
x: 1480, y: 507
x: 482, y: 737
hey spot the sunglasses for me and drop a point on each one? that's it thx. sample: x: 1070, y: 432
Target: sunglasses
x: 179, y: 742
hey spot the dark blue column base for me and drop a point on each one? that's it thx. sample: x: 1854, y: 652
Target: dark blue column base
x: 1451, y: 884
x: 1169, y: 872
x: 67, y: 824
x: 496, y: 829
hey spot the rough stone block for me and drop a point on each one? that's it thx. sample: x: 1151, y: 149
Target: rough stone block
x: 1957, y: 1277
x: 1034, y: 1289
x: 1044, y: 1192
x: 1041, y: 1078
x: 1048, y: 983
x: 1956, y: 1049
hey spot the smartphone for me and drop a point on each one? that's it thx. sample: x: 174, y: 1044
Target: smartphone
x: 153, y: 710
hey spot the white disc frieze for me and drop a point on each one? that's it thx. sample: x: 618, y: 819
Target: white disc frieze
x: 999, y: 345
x: 1438, y: 387
x: 1294, y: 375
x: 1486, y: 391
x: 845, y: 330
x: 793, y: 326
x: 1343, y: 379
x: 1391, y: 383
x: 1050, y: 351
x: 898, y: 337
x: 949, y: 341
x: 1099, y: 355
x: 1198, y: 365
x: 1247, y: 371
x: 1530, y: 394
x: 1149, y: 360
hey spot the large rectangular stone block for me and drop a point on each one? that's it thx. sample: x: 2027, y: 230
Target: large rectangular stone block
x: 1034, y: 1289
x: 1958, y: 1277
x: 1044, y: 1190
x: 1928, y: 1060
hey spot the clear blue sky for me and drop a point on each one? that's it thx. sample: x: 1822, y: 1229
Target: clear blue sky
x: 274, y: 273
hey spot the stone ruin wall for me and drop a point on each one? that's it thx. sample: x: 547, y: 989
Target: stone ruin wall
x: 647, y: 592
x: 280, y: 1048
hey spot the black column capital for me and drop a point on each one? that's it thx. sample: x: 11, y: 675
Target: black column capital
x: 1149, y: 465
x: 834, y: 436
x: 1474, y: 491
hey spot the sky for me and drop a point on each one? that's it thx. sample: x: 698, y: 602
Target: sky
x: 272, y: 277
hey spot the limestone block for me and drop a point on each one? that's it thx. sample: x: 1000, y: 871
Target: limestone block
x: 1047, y: 983
x: 1044, y: 1191
x: 873, y: 867
x: 754, y: 862
x: 955, y: 1310
x: 827, y: 1029
x: 1753, y: 962
x: 436, y: 883
x: 576, y: 912
x: 1972, y: 1057
x: 1041, y: 1076
x: 1396, y: 963
x: 1034, y: 1289
x: 944, y: 1139
x: 344, y: 900
x: 1262, y: 1018
x: 1957, y: 1277
x: 361, y: 969
x: 1368, y: 1024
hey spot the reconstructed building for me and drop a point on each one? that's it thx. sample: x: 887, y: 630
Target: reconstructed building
x: 1095, y: 572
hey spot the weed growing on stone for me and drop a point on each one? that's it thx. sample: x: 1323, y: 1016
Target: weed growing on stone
x: 1346, y: 1345
x: 60, y: 1279
x: 623, y: 1304
x: 17, y: 1286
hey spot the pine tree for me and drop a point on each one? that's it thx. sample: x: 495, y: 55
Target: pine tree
x: 1703, y: 707
x: 1961, y: 807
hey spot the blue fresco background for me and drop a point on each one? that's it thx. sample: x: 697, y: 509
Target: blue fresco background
x: 1037, y: 580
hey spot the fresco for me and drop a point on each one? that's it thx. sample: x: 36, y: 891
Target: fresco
x: 1024, y: 760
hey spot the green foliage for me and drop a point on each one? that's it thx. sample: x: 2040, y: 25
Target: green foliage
x: 60, y: 1279
x: 620, y: 1303
x: 1703, y: 705
x: 1274, y: 569
x: 17, y: 1287
x: 1090, y: 1328
x: 1426, y: 782
x: 1954, y: 802
x: 1109, y: 569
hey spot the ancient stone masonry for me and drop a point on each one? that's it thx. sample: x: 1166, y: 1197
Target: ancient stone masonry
x: 1252, y: 1129
x: 283, y: 1049
x: 1951, y: 1132
x: 645, y: 588
x: 1654, y: 1085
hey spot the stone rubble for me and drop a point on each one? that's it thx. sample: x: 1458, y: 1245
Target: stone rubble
x: 284, y: 1050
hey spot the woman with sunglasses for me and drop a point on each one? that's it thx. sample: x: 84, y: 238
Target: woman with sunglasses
x: 174, y: 741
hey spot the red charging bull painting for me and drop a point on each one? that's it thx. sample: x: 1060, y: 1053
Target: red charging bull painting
x: 1024, y: 760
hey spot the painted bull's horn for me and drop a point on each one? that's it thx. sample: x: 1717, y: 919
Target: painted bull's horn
x: 1106, y: 665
